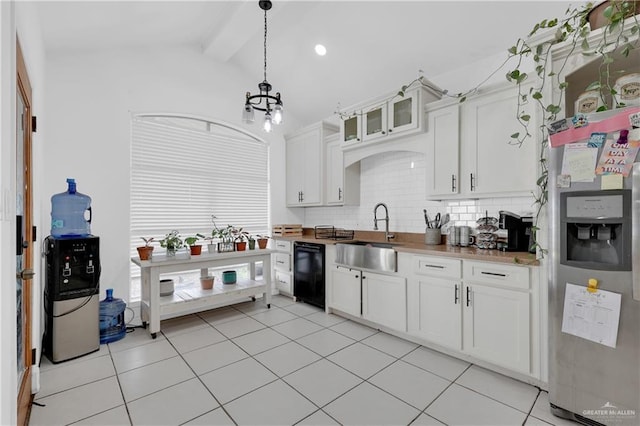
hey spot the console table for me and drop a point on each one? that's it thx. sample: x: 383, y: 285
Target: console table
x: 153, y: 308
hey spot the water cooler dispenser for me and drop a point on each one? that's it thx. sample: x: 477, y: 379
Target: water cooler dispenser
x: 71, y: 297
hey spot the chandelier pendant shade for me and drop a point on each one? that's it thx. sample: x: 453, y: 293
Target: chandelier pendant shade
x: 264, y: 100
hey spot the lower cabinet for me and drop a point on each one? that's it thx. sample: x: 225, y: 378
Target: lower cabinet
x: 481, y: 309
x: 375, y: 297
x: 346, y: 290
x: 496, y: 326
x: 437, y: 313
x: 384, y: 300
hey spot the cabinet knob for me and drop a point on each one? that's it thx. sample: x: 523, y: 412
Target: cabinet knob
x: 357, y: 276
x: 390, y: 130
x: 384, y: 133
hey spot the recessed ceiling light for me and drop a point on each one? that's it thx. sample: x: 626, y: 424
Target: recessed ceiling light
x: 321, y: 50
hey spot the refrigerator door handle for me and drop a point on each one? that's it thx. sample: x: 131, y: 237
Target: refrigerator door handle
x: 635, y: 230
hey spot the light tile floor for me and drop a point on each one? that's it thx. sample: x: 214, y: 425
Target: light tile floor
x: 292, y: 364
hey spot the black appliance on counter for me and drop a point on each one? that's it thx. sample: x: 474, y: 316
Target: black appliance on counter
x: 71, y: 297
x: 519, y: 231
x: 308, y: 273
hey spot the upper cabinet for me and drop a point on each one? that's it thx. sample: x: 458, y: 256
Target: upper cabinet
x: 342, y: 185
x: 470, y: 149
x: 384, y: 119
x: 305, y: 165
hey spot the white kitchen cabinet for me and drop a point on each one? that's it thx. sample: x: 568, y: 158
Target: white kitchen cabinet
x: 282, y: 272
x: 386, y: 117
x: 481, y: 309
x: 470, y: 151
x: 497, y: 314
x: 342, y: 184
x: 305, y: 162
x: 491, y: 163
x: 434, y: 300
x: 443, y: 150
x: 384, y: 300
x: 378, y: 298
x: 345, y: 290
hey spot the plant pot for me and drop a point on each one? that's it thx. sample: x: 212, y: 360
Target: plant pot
x: 241, y: 246
x: 252, y: 244
x: 229, y: 277
x: 211, y: 248
x: 195, y: 249
x: 598, y: 20
x: 166, y: 287
x: 206, y: 283
x: 145, y: 252
x: 262, y: 243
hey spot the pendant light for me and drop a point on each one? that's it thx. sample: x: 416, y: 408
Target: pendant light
x: 263, y: 101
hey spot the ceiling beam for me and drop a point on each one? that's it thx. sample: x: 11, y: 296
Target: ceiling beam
x: 245, y: 22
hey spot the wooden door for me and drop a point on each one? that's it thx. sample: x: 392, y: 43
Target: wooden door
x: 24, y: 250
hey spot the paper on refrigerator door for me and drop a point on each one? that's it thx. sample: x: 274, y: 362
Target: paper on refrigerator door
x: 592, y: 316
x: 579, y: 161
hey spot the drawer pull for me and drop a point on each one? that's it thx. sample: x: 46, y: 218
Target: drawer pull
x: 280, y: 262
x: 434, y: 266
x: 494, y: 274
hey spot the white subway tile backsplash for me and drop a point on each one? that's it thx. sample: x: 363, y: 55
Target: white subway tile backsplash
x: 389, y: 178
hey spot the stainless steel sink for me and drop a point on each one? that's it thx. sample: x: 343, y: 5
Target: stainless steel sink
x: 367, y: 255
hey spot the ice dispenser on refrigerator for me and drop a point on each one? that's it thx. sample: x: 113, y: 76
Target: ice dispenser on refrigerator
x: 596, y: 230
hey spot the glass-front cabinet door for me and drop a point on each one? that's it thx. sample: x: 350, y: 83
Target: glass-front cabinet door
x: 403, y: 112
x: 351, y: 130
x: 375, y: 122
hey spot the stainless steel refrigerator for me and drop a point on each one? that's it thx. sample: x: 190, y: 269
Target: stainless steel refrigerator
x: 594, y: 357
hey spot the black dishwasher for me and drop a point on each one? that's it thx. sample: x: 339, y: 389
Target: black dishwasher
x: 308, y: 273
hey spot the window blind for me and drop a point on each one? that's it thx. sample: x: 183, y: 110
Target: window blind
x: 183, y: 171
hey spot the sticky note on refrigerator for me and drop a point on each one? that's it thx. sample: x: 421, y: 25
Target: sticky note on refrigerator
x: 613, y: 181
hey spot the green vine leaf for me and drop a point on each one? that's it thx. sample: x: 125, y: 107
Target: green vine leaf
x: 594, y: 86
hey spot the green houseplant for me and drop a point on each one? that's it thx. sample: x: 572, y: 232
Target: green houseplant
x: 172, y: 242
x: 145, y: 252
x: 262, y: 241
x: 194, y: 248
x: 240, y: 238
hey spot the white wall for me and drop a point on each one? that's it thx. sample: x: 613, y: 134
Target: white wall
x: 398, y: 180
x: 90, y: 99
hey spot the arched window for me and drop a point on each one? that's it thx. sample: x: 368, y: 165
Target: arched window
x: 185, y: 169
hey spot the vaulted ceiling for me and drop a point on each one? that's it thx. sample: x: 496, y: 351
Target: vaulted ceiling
x: 373, y: 46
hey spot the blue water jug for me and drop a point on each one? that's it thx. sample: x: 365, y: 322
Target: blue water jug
x: 112, y: 325
x: 68, y: 213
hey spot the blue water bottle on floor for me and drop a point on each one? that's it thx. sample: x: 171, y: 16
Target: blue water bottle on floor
x: 112, y: 325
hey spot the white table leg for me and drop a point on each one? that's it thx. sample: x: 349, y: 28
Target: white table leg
x: 266, y: 276
x: 154, y: 303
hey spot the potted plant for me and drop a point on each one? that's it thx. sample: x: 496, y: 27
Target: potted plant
x: 240, y: 238
x: 211, y: 245
x: 194, y: 248
x: 251, y: 241
x: 145, y: 252
x: 172, y: 242
x: 262, y: 241
x: 226, y: 239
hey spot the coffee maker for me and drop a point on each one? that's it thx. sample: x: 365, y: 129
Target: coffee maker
x: 519, y: 231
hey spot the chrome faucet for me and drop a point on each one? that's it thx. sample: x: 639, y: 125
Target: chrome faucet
x: 387, y: 236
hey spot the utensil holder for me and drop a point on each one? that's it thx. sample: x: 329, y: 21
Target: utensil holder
x: 432, y: 236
